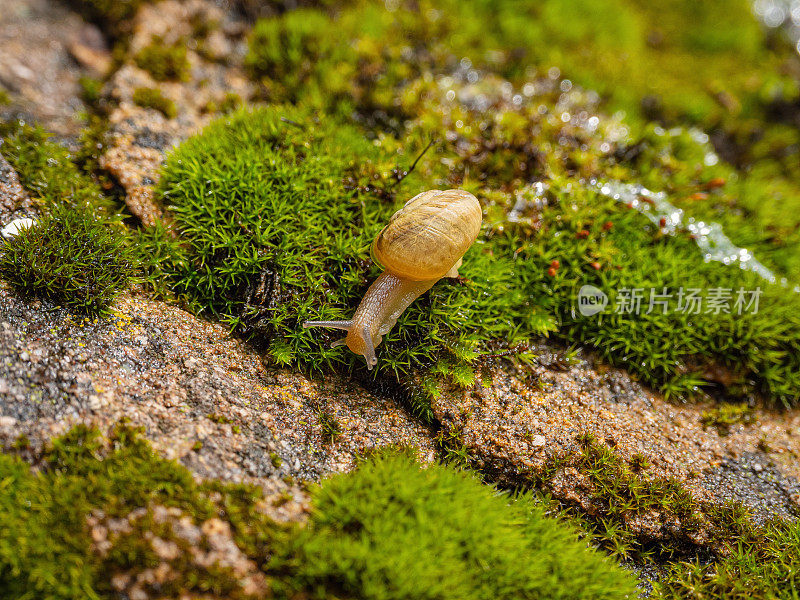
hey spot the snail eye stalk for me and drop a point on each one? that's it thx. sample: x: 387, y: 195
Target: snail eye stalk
x: 343, y: 325
x: 369, y: 350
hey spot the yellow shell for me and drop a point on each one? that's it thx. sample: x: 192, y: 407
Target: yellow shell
x: 428, y: 236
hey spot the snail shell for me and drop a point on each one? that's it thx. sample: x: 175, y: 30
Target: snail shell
x: 422, y: 243
x: 429, y: 235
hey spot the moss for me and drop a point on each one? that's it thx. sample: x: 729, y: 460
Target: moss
x: 655, y: 60
x: 284, y: 52
x: 733, y: 558
x: 22, y: 442
x: 219, y: 419
x: 756, y: 562
x: 154, y: 98
x: 393, y: 530
x: 728, y: 557
x: 230, y: 102
x: 115, y: 15
x: 5, y: 99
x: 330, y: 191
x: 93, y: 142
x: 164, y: 63
x: 331, y: 428
x: 622, y: 491
x: 727, y: 415
x: 276, y: 460
x: 497, y: 158
x: 84, y: 479
x: 91, y: 88
x: 756, y: 207
x: 44, y: 542
x: 78, y: 252
x: 639, y: 462
x: 133, y: 551
x: 450, y: 446
x: 71, y: 256
x: 333, y: 191
x: 673, y: 54
x: 355, y: 61
x: 47, y: 169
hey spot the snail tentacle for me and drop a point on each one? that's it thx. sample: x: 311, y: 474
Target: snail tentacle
x: 369, y: 349
x: 343, y: 325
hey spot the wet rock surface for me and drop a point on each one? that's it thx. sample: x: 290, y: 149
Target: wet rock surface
x: 204, y: 398
x: 37, y: 66
x: 522, y: 419
x: 754, y: 480
x: 14, y: 202
x: 140, y: 137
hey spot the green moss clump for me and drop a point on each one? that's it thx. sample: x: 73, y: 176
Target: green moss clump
x: 294, y: 208
x: 393, y: 530
x: 285, y: 54
x: 47, y: 169
x: 331, y: 428
x: 71, y: 255
x: 44, y: 542
x: 757, y: 562
x: 292, y: 211
x: 275, y: 459
x: 91, y: 89
x: 726, y: 415
x: 164, y: 63
x: 154, y: 98
x: 367, y: 532
x: 78, y: 252
x: 5, y: 99
x: 218, y: 419
x: 356, y: 61
x: 667, y: 61
x: 230, y: 102
x: 735, y: 559
x: 619, y: 493
x: 113, y: 14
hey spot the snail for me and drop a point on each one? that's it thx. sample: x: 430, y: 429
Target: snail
x: 423, y: 242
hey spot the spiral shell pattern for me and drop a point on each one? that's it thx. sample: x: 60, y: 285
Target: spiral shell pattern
x: 429, y: 235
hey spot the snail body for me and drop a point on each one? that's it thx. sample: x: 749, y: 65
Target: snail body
x: 423, y: 242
